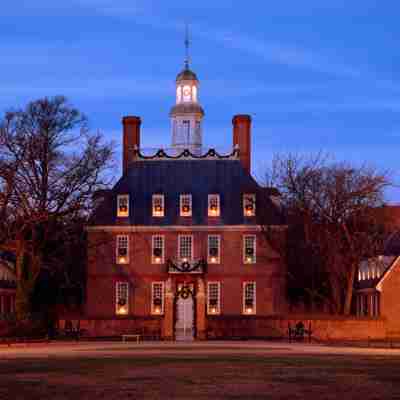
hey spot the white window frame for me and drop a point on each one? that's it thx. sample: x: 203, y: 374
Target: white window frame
x: 245, y: 310
x: 158, y: 214
x: 118, y: 290
x: 123, y: 214
x: 245, y: 258
x: 180, y: 238
x: 182, y: 198
x: 211, y: 198
x: 154, y: 238
x: 214, y: 310
x: 249, y: 198
x: 153, y: 307
x: 118, y: 239
x: 214, y: 259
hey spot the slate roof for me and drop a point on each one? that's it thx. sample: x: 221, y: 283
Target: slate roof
x: 197, y: 177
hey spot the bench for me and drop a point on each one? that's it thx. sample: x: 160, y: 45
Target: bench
x: 136, y: 336
x: 299, y: 332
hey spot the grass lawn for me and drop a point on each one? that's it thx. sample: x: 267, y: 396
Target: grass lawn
x: 202, y: 377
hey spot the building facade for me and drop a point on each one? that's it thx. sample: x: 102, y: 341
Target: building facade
x: 179, y: 243
x: 8, y: 286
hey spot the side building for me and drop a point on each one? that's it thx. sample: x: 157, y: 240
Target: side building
x: 178, y: 246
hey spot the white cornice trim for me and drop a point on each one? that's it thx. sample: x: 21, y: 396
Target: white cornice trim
x: 387, y: 273
x: 180, y: 228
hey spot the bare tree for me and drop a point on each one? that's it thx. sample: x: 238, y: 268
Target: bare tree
x: 332, y: 205
x: 50, y: 166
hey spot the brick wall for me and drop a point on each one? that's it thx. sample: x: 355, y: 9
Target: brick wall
x: 328, y: 328
x: 103, y: 272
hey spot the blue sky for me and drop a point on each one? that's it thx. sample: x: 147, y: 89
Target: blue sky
x: 315, y: 75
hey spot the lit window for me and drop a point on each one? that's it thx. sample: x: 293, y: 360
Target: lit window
x: 157, y: 298
x: 158, y: 205
x: 249, y: 205
x: 122, y: 298
x: 158, y: 249
x: 123, y: 205
x: 185, y: 248
x: 186, y: 93
x: 185, y: 205
x: 122, y: 249
x: 213, y: 205
x: 213, y: 298
x: 214, y: 249
x: 249, y: 249
x: 249, y: 298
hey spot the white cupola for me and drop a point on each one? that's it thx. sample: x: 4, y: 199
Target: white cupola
x: 187, y: 114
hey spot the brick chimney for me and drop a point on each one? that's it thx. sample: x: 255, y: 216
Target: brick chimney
x: 242, y: 139
x: 130, y: 140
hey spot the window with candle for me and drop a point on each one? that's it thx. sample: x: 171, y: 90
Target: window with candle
x: 213, y: 205
x: 185, y: 247
x: 157, y: 298
x: 158, y: 205
x: 122, y: 249
x: 122, y: 298
x: 185, y: 205
x: 213, y: 298
x: 249, y: 205
x: 214, y: 249
x: 249, y: 298
x: 157, y: 249
x: 123, y: 205
x: 249, y: 249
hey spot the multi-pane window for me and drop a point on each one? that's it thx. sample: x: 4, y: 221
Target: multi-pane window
x: 157, y: 255
x: 186, y: 131
x: 185, y: 248
x: 122, y: 298
x: 249, y: 205
x: 249, y: 249
x: 213, y: 298
x: 157, y: 298
x: 213, y: 205
x: 249, y: 297
x: 185, y: 205
x: 214, y: 249
x: 158, y: 205
x: 123, y: 205
x: 122, y: 249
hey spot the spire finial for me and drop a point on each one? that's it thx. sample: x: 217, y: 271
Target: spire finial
x: 187, y: 44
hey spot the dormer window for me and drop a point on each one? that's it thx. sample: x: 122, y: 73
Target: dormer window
x: 158, y: 205
x: 123, y: 205
x: 213, y: 205
x: 249, y: 205
x: 185, y: 205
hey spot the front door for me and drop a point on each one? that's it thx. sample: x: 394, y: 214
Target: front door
x: 184, y: 325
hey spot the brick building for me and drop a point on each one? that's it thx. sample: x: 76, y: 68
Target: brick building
x: 8, y: 285
x: 378, y: 281
x: 177, y: 245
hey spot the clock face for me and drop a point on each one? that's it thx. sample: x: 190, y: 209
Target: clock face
x: 186, y: 93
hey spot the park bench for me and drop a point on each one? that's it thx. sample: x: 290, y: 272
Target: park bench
x: 299, y: 332
x: 128, y: 336
x: 72, y: 329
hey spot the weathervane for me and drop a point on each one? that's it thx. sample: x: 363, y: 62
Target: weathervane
x: 187, y: 44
